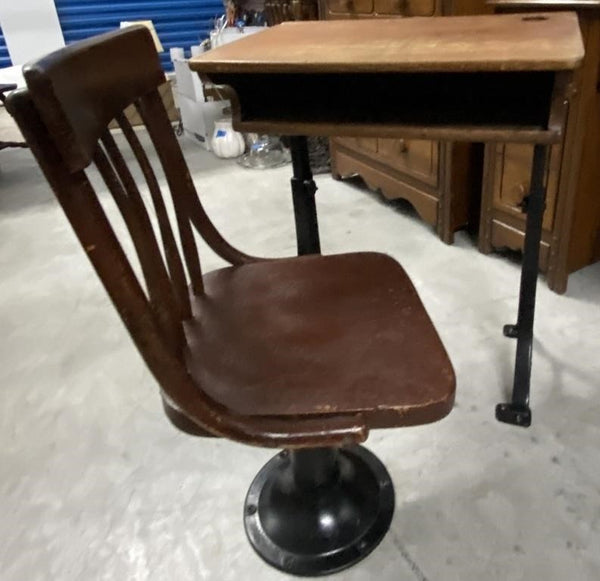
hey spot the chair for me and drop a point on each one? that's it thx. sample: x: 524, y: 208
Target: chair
x: 306, y: 353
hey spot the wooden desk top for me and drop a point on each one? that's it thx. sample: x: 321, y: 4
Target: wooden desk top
x: 561, y: 4
x: 508, y: 42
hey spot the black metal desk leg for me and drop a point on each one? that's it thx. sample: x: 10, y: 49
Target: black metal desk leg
x: 303, y: 194
x: 517, y: 412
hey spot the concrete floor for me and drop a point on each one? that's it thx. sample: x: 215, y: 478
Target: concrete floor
x: 95, y: 484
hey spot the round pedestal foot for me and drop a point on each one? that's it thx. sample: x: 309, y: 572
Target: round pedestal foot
x: 315, y: 512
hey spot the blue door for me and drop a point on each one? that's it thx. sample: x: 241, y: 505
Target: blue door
x: 4, y: 56
x: 178, y: 22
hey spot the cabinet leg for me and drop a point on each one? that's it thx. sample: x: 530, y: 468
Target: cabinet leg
x: 303, y: 196
x: 557, y: 282
x: 484, y: 244
x: 517, y: 412
x: 445, y: 233
x: 335, y: 174
x: 445, y: 225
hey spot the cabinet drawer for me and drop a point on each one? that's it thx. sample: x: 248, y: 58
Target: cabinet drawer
x: 405, y: 7
x: 350, y: 6
x: 512, y: 179
x: 413, y: 156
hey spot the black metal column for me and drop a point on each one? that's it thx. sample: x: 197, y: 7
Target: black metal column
x: 314, y: 467
x: 518, y: 412
x: 303, y: 195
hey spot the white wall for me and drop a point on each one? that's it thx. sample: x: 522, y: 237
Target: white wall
x: 30, y: 28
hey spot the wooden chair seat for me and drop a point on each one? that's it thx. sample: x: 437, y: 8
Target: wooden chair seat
x: 318, y: 335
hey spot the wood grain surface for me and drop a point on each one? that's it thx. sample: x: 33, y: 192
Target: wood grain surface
x: 546, y: 4
x: 508, y: 42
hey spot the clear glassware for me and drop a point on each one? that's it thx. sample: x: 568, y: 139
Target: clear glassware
x: 264, y: 151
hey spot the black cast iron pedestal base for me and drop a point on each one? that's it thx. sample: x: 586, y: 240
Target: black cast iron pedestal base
x: 317, y: 511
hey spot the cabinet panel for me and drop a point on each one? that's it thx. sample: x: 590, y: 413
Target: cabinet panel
x: 377, y: 176
x: 405, y: 7
x: 367, y: 144
x: 503, y: 235
x: 350, y: 6
x: 362, y: 144
x: 413, y: 156
x: 512, y: 179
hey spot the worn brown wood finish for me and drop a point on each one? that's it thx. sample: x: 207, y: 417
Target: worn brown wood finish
x: 277, y: 337
x: 301, y: 352
x: 571, y: 235
x: 512, y: 42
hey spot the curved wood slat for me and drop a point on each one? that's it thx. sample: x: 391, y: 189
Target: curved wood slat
x: 188, y: 244
x: 127, y: 197
x: 180, y: 181
x: 170, y: 246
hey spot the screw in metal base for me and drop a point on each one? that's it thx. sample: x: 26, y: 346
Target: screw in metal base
x: 317, y: 511
x: 511, y: 331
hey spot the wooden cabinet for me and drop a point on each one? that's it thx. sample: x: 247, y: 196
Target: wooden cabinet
x: 441, y: 181
x: 571, y: 227
x: 416, y: 157
x: 505, y: 190
x: 357, y: 8
x: 422, y: 172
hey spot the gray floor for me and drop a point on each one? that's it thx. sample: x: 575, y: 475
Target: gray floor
x: 95, y: 484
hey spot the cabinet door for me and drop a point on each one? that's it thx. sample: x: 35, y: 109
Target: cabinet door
x: 413, y: 156
x: 513, y: 175
x: 405, y: 7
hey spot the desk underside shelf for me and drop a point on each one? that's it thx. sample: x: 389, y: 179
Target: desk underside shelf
x: 484, y: 106
x: 502, y: 78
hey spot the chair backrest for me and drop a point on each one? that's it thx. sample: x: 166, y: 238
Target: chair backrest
x: 71, y: 98
x: 75, y: 93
